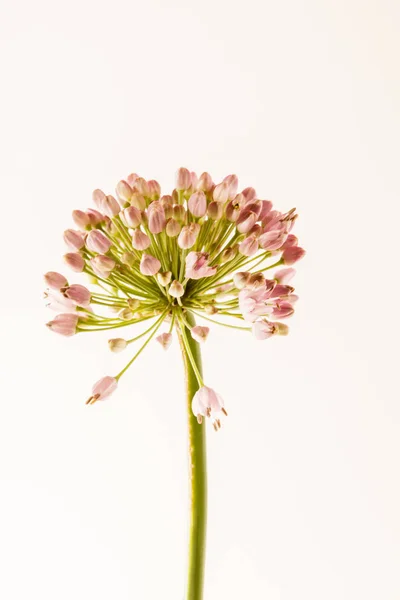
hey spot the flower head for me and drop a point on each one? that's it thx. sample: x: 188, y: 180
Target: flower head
x: 206, y: 249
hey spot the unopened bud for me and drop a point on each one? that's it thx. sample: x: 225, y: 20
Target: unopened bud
x: 173, y: 228
x: 183, y: 179
x: 227, y: 255
x: 241, y: 279
x: 132, y: 216
x: 140, y: 241
x: 138, y: 201
x: 176, y: 289
x: 81, y: 219
x: 55, y: 281
x: 179, y: 212
x: 128, y: 259
x: 165, y: 340
x: 74, y: 261
x: 117, y: 344
x: 164, y: 278
x: 125, y: 314
x: 215, y: 210
x: 205, y: 183
x: 124, y: 191
x: 188, y: 235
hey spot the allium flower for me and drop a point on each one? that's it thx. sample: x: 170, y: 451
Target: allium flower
x: 204, y: 250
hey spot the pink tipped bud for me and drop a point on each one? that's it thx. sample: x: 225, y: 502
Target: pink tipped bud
x: 96, y: 241
x: 64, y: 324
x: 272, y: 240
x: 205, y: 183
x: 266, y: 207
x: 55, y: 281
x: 173, y: 228
x: 281, y: 291
x: 249, y: 246
x: 132, y: 216
x: 110, y: 206
x: 138, y: 201
x: 221, y: 193
x: 102, y: 265
x: 291, y: 240
x: 131, y: 179
x: 248, y: 217
x: 183, y: 179
x: 164, y: 279
x: 263, y: 329
x: 215, y: 210
x: 188, y: 235
x: 241, y: 279
x: 98, y: 197
x: 154, y: 189
x: 233, y: 209
x: 250, y: 194
x: 94, y: 216
x: 156, y: 216
x: 179, y: 212
x: 165, y: 339
x: 197, y: 266
x: 142, y: 187
x: 124, y: 191
x: 102, y: 389
x: 140, y: 241
x: 81, y: 219
x: 79, y: 294
x: 207, y: 403
x: 198, y: 204
x: 149, y: 265
x: 200, y: 333
x: 75, y: 240
x: 292, y: 254
x: 74, y: 261
x: 257, y: 281
x: 232, y: 182
x: 176, y: 289
x: 117, y: 344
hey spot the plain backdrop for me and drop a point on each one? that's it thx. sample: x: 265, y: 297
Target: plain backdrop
x: 301, y: 100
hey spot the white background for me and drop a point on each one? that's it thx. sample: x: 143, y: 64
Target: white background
x: 301, y: 100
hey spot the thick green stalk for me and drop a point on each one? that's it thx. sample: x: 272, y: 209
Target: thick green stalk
x: 197, y: 475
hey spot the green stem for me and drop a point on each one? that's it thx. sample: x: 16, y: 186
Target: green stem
x: 197, y: 473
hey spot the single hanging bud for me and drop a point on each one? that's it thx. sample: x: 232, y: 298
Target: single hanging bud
x: 138, y: 201
x: 124, y: 191
x: 98, y: 198
x: 249, y: 246
x: 117, y: 344
x: 205, y: 183
x: 215, y: 210
x: 165, y: 340
x: 102, y: 389
x: 110, y: 206
x: 200, y: 333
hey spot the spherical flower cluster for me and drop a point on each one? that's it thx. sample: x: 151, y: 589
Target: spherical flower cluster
x: 203, y: 250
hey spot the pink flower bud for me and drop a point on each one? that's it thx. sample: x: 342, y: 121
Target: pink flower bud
x: 156, y: 216
x: 205, y: 183
x: 292, y: 254
x: 81, y: 219
x: 284, y: 275
x: 291, y: 240
x: 249, y: 193
x: 102, y: 389
x: 124, y: 191
x: 188, y: 235
x: 117, y: 344
x: 263, y: 329
x: 96, y: 241
x: 56, y: 301
x: 272, y: 240
x: 249, y: 246
x: 207, y: 403
x: 75, y: 240
x: 232, y: 182
x: 74, y: 261
x: 94, y: 216
x: 176, y: 289
x: 140, y: 241
x: 64, y: 324
x: 234, y: 207
x: 266, y: 207
x: 149, y: 265
x: 165, y: 339
x: 55, y: 281
x: 132, y: 216
x: 221, y: 193
x: 131, y: 179
x: 98, y: 197
x: 281, y: 291
x: 164, y: 279
x: 110, y: 206
x: 138, y: 201
x: 183, y: 179
x: 141, y: 186
x: 193, y: 180
x: 179, y: 212
x: 154, y: 189
x: 200, y: 333
x: 79, y: 294
x: 197, y: 204
x: 215, y: 210
x: 173, y: 228
x: 248, y: 217
x: 197, y: 266
x: 102, y: 265
x: 282, y: 310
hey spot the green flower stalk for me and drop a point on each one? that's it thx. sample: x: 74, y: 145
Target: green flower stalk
x: 203, y: 251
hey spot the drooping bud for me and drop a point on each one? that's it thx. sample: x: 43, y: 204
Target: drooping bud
x: 249, y: 193
x: 64, y: 324
x: 173, y: 228
x: 75, y: 240
x: 102, y: 265
x: 165, y: 340
x: 292, y: 254
x: 264, y: 329
x: 207, y: 403
x: 140, y: 240
x: 131, y: 179
x: 79, y: 294
x: 102, y: 389
x: 176, y: 289
x: 228, y: 254
x: 149, y: 265
x: 55, y: 280
x: 266, y: 207
x: 132, y: 216
x: 198, y: 204
x: 117, y: 344
x: 156, y: 216
x: 96, y: 241
x: 74, y: 261
x: 81, y: 219
x: 188, y: 236
x: 164, y: 279
x: 291, y: 240
x: 200, y: 333
x: 183, y: 179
